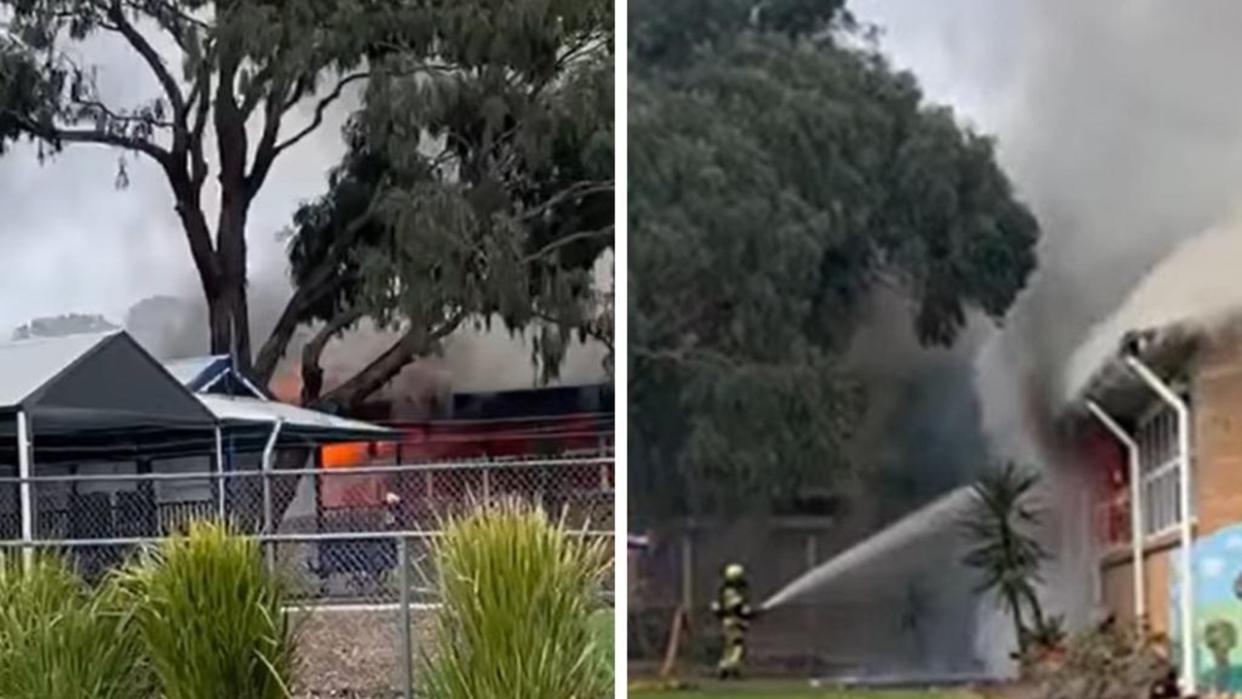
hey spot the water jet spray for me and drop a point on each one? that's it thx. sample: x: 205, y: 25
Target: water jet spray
x: 928, y: 520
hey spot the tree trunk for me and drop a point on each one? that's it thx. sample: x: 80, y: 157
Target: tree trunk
x: 416, y: 342
x: 1015, y: 609
x: 312, y: 371
x: 1037, y: 611
x: 218, y: 318
x: 228, y: 309
x: 231, y: 333
x: 228, y: 319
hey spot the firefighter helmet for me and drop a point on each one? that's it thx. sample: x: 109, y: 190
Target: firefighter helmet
x: 734, y: 572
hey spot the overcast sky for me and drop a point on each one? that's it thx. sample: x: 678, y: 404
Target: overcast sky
x: 965, y: 52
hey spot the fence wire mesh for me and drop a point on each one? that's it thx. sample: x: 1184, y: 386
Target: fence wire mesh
x: 339, y: 536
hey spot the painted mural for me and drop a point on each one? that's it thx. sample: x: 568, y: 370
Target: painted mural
x: 1217, y: 561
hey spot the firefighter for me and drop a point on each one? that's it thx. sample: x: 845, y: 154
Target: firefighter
x: 392, y: 510
x: 733, y: 609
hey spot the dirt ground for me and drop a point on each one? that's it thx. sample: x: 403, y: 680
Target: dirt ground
x: 803, y: 689
x: 792, y: 690
x: 352, y: 653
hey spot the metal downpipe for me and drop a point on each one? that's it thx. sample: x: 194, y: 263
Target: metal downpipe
x: 1169, y: 396
x: 1136, y: 509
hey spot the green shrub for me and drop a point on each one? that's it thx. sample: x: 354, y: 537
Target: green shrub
x: 520, y: 596
x: 603, y: 624
x: 60, y: 639
x: 212, y: 617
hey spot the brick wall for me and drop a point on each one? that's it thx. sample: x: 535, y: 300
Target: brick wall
x: 1117, y: 583
x: 1117, y: 588
x: 1217, y: 437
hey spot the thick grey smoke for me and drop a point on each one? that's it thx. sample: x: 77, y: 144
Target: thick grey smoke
x: 1126, y: 138
x: 1120, y: 127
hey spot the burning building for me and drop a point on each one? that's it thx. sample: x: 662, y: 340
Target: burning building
x: 1153, y: 417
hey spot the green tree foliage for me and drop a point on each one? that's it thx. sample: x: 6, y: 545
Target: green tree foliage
x: 510, y: 102
x: 780, y: 170
x: 478, y: 193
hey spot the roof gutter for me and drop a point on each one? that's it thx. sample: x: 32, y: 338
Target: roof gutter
x: 1186, y: 603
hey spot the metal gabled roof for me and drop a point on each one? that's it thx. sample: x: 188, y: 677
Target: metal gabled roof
x: 92, y: 383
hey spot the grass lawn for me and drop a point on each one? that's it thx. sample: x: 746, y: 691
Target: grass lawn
x: 801, y: 690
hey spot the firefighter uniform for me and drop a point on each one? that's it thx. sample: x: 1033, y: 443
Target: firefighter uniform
x: 733, y: 609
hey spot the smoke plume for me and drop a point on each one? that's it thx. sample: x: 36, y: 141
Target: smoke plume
x: 1125, y: 136
x: 1120, y: 127
x: 1126, y: 139
x: 473, y: 359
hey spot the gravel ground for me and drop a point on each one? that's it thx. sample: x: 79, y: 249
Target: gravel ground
x: 352, y: 653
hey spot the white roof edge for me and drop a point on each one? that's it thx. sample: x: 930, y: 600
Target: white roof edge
x: 258, y: 411
x: 1194, y: 284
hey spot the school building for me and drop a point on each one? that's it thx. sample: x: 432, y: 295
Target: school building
x: 1158, y: 425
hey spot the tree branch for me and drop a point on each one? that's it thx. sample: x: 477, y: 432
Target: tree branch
x: 265, y: 152
x: 591, y: 327
x: 251, y: 99
x: 312, y: 289
x: 320, y: 109
x: 575, y: 191
x: 312, y: 373
x: 117, y: 13
x: 198, y: 163
x: 566, y: 240
x: 174, y: 13
x: 689, y: 356
x: 103, y: 138
x: 417, y: 341
x: 303, y: 297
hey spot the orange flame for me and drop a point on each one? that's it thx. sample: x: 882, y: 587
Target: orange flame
x: 344, y: 455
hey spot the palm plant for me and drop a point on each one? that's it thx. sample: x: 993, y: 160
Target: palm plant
x: 212, y: 617
x: 1003, y: 547
x: 520, y: 614
x: 60, y: 639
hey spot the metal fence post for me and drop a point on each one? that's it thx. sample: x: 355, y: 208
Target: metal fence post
x: 407, y: 651
x: 25, y: 488
x: 267, y: 519
x: 269, y: 451
x: 221, y: 483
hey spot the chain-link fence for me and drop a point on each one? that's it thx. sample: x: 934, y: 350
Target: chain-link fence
x: 354, y: 543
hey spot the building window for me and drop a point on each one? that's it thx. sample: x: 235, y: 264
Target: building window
x: 1160, y: 467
